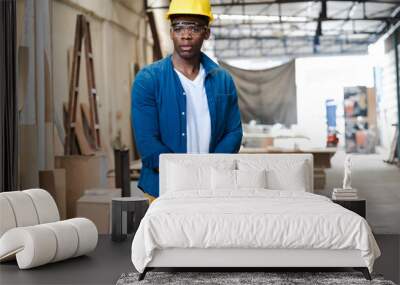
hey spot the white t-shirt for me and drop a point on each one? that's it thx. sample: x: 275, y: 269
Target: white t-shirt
x: 198, y: 122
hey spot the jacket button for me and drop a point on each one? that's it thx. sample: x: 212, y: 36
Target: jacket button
x: 184, y: 93
x: 183, y: 113
x: 183, y: 134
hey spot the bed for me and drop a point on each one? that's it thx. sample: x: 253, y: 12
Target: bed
x: 246, y: 211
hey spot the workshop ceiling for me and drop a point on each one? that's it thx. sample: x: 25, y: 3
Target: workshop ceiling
x: 294, y: 28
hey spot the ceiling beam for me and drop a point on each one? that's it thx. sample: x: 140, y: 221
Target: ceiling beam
x: 289, y: 38
x: 222, y: 36
x: 393, y: 19
x: 292, y: 39
x: 389, y: 25
x: 249, y: 3
x: 228, y: 54
x: 311, y: 20
x: 318, y: 32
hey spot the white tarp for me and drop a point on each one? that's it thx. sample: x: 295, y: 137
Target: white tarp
x: 268, y: 96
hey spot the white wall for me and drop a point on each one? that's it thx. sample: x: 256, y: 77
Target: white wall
x: 387, y: 93
x: 322, y: 78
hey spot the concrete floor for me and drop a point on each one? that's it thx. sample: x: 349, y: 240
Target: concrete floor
x: 103, y: 266
x: 106, y: 264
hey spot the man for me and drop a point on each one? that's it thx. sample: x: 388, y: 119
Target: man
x: 184, y: 103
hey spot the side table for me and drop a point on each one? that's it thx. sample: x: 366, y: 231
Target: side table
x: 358, y: 206
x: 135, y: 208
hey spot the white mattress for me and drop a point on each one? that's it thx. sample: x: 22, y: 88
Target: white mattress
x: 253, y: 219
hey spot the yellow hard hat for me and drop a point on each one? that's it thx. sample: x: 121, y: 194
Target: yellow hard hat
x: 190, y: 7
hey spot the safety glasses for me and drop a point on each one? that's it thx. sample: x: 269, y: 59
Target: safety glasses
x: 191, y: 27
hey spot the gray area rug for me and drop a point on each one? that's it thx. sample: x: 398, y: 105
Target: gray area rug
x: 243, y: 278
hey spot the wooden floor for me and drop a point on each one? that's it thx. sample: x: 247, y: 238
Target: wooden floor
x: 106, y: 264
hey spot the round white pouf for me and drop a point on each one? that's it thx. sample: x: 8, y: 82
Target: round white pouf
x: 87, y: 233
x: 33, y: 246
x: 6, y: 216
x: 67, y: 240
x: 23, y: 208
x: 45, y: 205
x: 41, y: 244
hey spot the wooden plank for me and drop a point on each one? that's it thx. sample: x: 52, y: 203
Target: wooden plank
x: 49, y: 145
x: 74, y: 147
x: 157, y: 53
x: 58, y: 136
x: 23, y: 68
x: 48, y: 114
x: 85, y: 112
x: 84, y: 146
x: 48, y: 117
x: 133, y: 72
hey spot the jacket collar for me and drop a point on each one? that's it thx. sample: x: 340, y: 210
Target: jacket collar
x: 208, y: 64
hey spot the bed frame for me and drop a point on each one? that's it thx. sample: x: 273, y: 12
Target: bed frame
x: 242, y: 259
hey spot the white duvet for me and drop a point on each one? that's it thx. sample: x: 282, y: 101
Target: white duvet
x: 250, y: 219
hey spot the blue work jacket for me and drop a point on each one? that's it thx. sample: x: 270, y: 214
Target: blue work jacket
x: 158, y: 115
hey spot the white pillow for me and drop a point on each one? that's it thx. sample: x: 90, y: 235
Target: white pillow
x: 293, y: 180
x: 281, y: 174
x: 225, y: 179
x: 184, y: 175
x: 251, y: 178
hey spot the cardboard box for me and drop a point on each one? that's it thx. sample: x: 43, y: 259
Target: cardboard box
x: 113, y: 192
x: 53, y: 181
x: 82, y: 172
x: 96, y: 206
